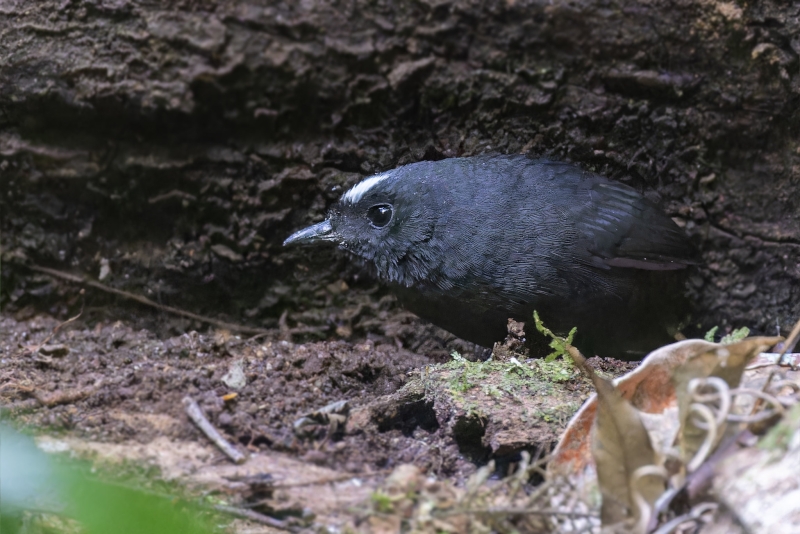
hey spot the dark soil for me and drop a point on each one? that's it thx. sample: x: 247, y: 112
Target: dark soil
x: 111, y: 383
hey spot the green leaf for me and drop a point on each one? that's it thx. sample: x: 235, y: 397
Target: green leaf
x: 710, y: 334
x: 736, y: 336
x: 33, y: 480
x: 558, y: 344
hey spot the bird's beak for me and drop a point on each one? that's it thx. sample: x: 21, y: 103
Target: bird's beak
x: 319, y: 232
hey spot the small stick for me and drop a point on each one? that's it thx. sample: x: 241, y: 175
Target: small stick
x: 62, y: 397
x: 196, y: 415
x: 146, y: 301
x: 515, y: 512
x: 790, y: 342
x: 331, y: 480
x: 255, y: 516
x: 33, y: 349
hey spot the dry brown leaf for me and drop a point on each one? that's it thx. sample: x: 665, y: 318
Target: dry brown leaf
x: 649, y: 388
x: 726, y: 362
x: 621, y: 446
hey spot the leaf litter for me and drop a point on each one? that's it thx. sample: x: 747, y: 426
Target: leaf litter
x: 715, y: 406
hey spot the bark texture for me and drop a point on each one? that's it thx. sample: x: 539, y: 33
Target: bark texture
x: 178, y: 143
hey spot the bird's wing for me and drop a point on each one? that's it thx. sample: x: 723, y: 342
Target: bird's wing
x: 620, y: 228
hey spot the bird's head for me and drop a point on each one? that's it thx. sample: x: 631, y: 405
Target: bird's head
x: 382, y: 220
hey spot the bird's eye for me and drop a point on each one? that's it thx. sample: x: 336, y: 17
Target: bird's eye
x: 379, y: 215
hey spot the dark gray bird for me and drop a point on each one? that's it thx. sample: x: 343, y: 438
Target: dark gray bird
x: 467, y: 243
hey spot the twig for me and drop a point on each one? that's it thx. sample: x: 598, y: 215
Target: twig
x: 768, y: 359
x: 694, y: 515
x: 255, y: 516
x: 172, y: 194
x: 62, y: 397
x: 33, y: 349
x: 146, y: 301
x: 329, y: 480
x: 196, y: 415
x: 515, y: 511
x: 790, y: 341
x: 761, y: 395
x: 258, y: 336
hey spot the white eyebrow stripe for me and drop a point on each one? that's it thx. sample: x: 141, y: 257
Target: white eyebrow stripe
x: 360, y: 189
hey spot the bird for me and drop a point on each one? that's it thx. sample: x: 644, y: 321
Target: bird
x: 468, y: 243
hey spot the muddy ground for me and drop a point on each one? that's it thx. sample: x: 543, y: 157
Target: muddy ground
x: 115, y: 393
x: 112, y: 383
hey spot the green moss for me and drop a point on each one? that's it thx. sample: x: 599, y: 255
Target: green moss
x: 498, y: 379
x: 493, y: 391
x: 555, y: 371
x: 501, y: 379
x: 780, y: 435
x: 735, y: 336
x: 382, y: 503
x: 558, y: 415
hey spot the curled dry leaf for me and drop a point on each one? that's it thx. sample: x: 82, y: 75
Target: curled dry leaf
x: 649, y: 388
x: 713, y: 372
x: 622, y: 452
x: 704, y: 430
